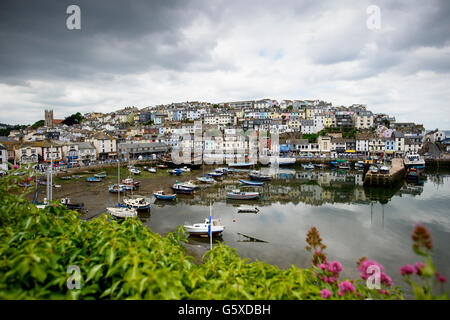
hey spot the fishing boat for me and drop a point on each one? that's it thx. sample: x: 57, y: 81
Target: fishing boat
x: 412, y: 174
x: 93, y: 179
x: 100, y: 175
x: 251, y: 183
x: 152, y: 170
x: 140, y: 204
x: 134, y: 171
x: 238, y: 195
x: 258, y: 176
x: 373, y: 169
x: 248, y: 209
x: 308, y: 166
x: 115, y: 188
x: 384, y: 169
x: 206, y: 180
x: 179, y: 188
x: 122, y: 212
x: 161, y: 195
x: 128, y: 187
x: 131, y: 182
x: 202, y: 229
x: 414, y: 160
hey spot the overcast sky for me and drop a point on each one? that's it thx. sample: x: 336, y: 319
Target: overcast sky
x: 144, y: 53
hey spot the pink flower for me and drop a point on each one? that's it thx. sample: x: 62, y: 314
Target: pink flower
x: 364, y: 265
x: 335, y: 267
x: 384, y: 278
x: 406, y: 269
x: 325, y: 293
x: 346, y: 286
x: 440, y: 278
x: 418, y: 267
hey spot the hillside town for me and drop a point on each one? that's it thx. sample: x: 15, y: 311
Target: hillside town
x: 306, y: 129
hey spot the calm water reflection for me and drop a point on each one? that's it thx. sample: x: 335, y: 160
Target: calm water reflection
x: 353, y: 221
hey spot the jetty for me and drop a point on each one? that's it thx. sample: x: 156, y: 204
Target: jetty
x: 396, y: 173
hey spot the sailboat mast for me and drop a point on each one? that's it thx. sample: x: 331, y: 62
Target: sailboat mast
x: 210, y: 226
x: 118, y: 182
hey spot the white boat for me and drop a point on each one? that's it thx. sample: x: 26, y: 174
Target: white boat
x: 373, y: 169
x: 309, y: 166
x: 413, y: 160
x: 134, y: 171
x: 122, y: 212
x: 190, y: 184
x: 185, y: 169
x: 201, y: 229
x: 206, y: 180
x: 238, y: 195
x: 137, y: 203
x: 384, y: 169
x: 282, y: 161
x: 152, y: 170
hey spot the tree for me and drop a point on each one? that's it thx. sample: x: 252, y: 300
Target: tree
x: 75, y: 118
x: 38, y: 124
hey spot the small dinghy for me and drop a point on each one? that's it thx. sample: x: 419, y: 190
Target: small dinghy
x: 93, y: 179
x: 384, y: 169
x: 201, y: 229
x: 248, y: 209
x: 206, y: 180
x: 131, y: 182
x: 161, y: 195
x: 115, y: 188
x: 100, y: 175
x: 66, y: 178
x: 122, y: 212
x: 152, y: 170
x: 176, y: 172
x: 251, y: 183
x: 134, y: 171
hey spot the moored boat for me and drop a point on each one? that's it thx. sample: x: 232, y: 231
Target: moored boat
x: 202, y: 229
x: 161, y: 195
x: 258, y: 176
x: 415, y: 161
x: 238, y: 195
x: 248, y: 209
x: 206, y: 180
x: 134, y: 171
x: 115, y: 188
x: 179, y: 188
x: 122, y: 212
x: 100, y: 175
x: 152, y: 170
x: 131, y: 182
x: 93, y: 179
x: 140, y: 203
x: 251, y: 183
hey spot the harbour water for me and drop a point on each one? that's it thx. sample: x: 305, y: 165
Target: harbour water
x: 353, y: 220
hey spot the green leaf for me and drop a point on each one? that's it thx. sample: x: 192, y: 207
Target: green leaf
x: 93, y: 272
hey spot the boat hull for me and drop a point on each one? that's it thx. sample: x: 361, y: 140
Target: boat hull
x: 242, y: 196
x: 251, y: 183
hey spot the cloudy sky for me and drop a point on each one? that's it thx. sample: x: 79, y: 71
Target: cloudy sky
x: 144, y: 53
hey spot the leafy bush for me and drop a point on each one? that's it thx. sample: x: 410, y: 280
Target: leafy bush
x: 126, y: 260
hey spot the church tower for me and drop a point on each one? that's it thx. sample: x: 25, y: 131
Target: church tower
x: 48, y: 122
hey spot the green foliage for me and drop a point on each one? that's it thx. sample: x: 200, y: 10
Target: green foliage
x: 126, y: 260
x: 38, y: 124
